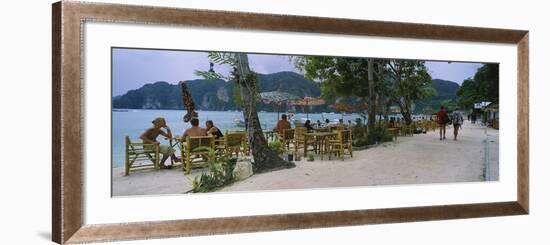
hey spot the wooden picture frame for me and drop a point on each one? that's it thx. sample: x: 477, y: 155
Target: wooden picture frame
x: 68, y: 19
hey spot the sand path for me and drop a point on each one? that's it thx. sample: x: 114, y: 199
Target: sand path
x: 417, y: 159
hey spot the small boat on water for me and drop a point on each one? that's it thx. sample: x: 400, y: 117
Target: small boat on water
x: 239, y: 122
x: 120, y: 110
x: 298, y: 122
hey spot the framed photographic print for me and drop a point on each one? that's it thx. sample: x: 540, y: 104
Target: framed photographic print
x: 179, y: 122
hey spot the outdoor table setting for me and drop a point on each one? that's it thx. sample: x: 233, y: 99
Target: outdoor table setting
x: 320, y: 141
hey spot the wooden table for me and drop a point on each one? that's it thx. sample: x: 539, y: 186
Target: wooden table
x: 320, y: 139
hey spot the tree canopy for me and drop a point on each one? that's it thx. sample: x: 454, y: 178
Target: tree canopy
x: 376, y: 81
x: 483, y: 86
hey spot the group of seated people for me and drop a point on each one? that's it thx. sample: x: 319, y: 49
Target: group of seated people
x: 150, y: 136
x: 283, y: 124
x: 195, y: 130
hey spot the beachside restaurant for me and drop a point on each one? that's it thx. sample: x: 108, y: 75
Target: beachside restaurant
x: 194, y: 152
x: 322, y: 142
x: 334, y: 140
x: 337, y: 140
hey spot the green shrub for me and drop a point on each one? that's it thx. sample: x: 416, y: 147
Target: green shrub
x: 386, y: 137
x: 360, y: 131
x: 219, y: 174
x: 310, y: 157
x: 360, y: 142
x: 362, y: 138
x: 276, y: 146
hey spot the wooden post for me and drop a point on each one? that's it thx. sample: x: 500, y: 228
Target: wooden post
x: 127, y: 160
x: 157, y: 156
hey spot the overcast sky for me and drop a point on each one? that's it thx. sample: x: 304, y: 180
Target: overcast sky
x: 133, y: 68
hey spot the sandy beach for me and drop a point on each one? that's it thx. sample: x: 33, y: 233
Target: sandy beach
x: 418, y: 159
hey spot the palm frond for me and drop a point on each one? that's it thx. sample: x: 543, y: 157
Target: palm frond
x: 210, y: 75
x: 221, y: 58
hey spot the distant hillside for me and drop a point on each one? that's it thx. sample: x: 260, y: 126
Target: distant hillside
x: 289, y: 82
x: 212, y: 94
x: 446, y: 95
x: 218, y: 94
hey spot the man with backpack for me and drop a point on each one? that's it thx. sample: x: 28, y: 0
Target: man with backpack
x: 456, y: 118
x: 442, y: 120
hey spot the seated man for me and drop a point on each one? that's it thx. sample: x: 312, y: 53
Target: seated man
x: 213, y: 130
x: 282, y: 125
x: 195, y: 130
x: 319, y: 123
x: 150, y: 137
x: 308, y: 126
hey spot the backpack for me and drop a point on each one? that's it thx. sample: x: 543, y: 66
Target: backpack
x: 446, y: 119
x: 456, y: 118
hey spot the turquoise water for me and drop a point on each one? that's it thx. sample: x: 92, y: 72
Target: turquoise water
x: 134, y: 122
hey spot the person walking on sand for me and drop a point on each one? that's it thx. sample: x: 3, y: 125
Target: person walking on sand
x: 442, y: 120
x: 150, y: 137
x: 457, y: 121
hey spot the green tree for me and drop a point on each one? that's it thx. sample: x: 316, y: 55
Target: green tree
x: 408, y: 81
x: 265, y: 159
x: 428, y: 110
x: 344, y: 76
x: 379, y: 82
x: 483, y: 86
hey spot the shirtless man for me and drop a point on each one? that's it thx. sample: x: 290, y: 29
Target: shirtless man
x: 195, y: 130
x: 150, y: 137
x: 282, y: 125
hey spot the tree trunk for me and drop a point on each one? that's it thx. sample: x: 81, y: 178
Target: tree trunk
x: 372, y: 98
x: 405, y: 109
x: 386, y: 111
x: 408, y: 117
x: 264, y: 158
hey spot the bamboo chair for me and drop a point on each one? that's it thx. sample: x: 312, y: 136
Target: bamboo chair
x: 339, y: 145
x: 287, y: 137
x: 322, y: 130
x: 407, y: 129
x: 140, y: 152
x: 393, y: 132
x: 236, y: 142
x: 422, y: 124
x: 300, y: 140
x: 190, y: 152
x: 219, y: 145
x: 427, y: 125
